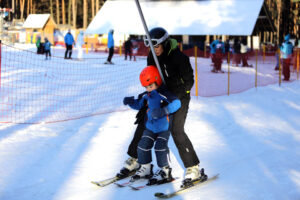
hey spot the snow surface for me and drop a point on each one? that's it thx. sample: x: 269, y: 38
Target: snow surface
x: 251, y: 138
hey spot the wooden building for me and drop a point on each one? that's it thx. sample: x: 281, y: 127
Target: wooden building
x: 41, y: 25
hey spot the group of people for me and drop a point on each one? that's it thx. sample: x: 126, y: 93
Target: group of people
x: 220, y: 50
x: 131, y: 48
x: 69, y: 42
x: 45, y: 48
x: 162, y: 111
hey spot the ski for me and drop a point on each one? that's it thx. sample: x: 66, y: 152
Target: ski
x: 109, y: 181
x: 129, y: 183
x: 105, y: 182
x: 183, y: 188
x: 139, y: 187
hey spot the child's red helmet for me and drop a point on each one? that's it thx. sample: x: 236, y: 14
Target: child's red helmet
x: 150, y: 75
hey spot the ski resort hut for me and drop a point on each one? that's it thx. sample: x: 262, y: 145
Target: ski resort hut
x: 39, y: 24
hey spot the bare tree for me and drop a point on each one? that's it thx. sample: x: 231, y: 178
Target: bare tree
x: 97, y: 5
x: 85, y: 14
x: 51, y: 8
x: 22, y: 4
x: 69, y: 11
x: 28, y: 6
x: 57, y: 12
x: 74, y: 12
x: 93, y: 9
x: 63, y: 12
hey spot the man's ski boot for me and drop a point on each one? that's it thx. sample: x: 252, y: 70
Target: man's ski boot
x: 192, y: 175
x: 145, y: 171
x: 130, y: 166
x: 161, y: 176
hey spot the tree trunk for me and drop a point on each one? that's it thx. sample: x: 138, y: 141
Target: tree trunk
x: 93, y: 9
x: 22, y: 4
x: 57, y: 12
x: 97, y: 5
x: 63, y: 12
x: 31, y: 7
x: 74, y: 12
x: 28, y: 6
x: 85, y: 13
x: 69, y: 12
x: 51, y: 8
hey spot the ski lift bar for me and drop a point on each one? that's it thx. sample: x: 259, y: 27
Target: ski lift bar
x: 150, y: 42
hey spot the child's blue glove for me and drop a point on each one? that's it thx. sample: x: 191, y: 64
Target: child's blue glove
x: 128, y: 100
x: 159, y: 112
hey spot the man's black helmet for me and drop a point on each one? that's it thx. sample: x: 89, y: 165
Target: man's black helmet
x: 158, y: 35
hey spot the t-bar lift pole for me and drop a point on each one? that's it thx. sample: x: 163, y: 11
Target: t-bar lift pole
x: 149, y: 39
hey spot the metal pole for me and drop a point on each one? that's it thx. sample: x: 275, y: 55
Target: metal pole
x: 148, y: 37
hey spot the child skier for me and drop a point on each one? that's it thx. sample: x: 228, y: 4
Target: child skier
x: 47, y: 48
x: 161, y: 103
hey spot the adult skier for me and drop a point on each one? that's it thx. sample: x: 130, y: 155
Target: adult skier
x: 179, y: 78
x: 69, y: 41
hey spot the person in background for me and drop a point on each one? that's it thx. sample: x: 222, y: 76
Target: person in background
x: 47, y: 48
x: 135, y: 50
x: 219, y: 50
x: 179, y: 78
x: 286, y: 50
x: 227, y: 50
x: 79, y: 43
x: 236, y: 52
x: 161, y: 105
x: 69, y: 41
x: 110, y: 46
x: 39, y: 46
x: 128, y: 47
x: 244, y: 53
x: 213, y: 52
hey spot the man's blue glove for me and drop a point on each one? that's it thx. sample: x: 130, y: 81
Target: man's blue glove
x: 159, y: 112
x: 128, y: 100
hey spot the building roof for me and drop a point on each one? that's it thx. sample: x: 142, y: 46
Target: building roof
x: 36, y: 20
x: 190, y: 17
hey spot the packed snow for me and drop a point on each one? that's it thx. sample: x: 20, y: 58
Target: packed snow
x: 251, y: 138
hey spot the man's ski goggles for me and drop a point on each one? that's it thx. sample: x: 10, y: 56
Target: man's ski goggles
x: 156, y: 42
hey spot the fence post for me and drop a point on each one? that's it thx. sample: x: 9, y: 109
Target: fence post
x: 205, y: 49
x: 0, y: 62
x: 264, y: 53
x: 196, y: 72
x: 228, y: 59
x: 256, y: 69
x: 279, y: 57
x: 120, y: 50
x: 298, y: 63
x: 87, y: 46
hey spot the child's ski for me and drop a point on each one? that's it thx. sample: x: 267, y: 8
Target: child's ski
x: 129, y: 182
x: 139, y: 187
x: 109, y: 181
x: 183, y: 188
x: 105, y: 182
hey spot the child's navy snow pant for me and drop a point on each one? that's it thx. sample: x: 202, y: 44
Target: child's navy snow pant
x: 161, y: 147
